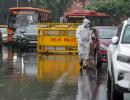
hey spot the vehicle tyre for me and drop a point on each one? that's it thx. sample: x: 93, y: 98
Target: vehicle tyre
x: 108, y: 87
x: 98, y: 63
x: 21, y: 47
x: 115, y: 95
x: 108, y: 82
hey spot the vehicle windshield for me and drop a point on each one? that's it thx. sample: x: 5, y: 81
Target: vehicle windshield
x: 107, y: 33
x: 18, y: 31
x: 25, y: 19
x: 32, y: 29
x: 3, y: 30
x: 126, y: 36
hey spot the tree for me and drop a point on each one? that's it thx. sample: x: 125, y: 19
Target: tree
x: 57, y: 7
x: 118, y: 9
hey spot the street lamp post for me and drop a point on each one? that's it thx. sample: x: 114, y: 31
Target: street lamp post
x: 83, y: 3
x: 17, y: 3
x: 110, y: 2
x: 29, y: 2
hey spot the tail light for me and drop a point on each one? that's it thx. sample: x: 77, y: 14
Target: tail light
x: 10, y: 37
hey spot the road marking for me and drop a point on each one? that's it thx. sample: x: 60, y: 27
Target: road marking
x: 102, y: 93
x: 57, y: 86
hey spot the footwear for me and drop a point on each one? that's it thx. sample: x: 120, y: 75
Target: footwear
x: 81, y: 62
x: 84, y: 67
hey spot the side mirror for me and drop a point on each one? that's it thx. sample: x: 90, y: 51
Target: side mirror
x: 22, y: 31
x: 115, y: 39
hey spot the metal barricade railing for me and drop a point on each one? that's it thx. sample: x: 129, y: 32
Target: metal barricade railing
x: 58, y: 25
x: 56, y: 39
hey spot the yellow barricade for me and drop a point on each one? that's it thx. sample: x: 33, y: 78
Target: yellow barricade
x: 57, y: 39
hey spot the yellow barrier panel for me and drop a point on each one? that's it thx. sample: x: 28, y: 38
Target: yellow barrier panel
x: 57, y: 39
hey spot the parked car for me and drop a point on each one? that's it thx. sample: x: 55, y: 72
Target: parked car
x: 0, y: 38
x: 0, y: 44
x: 26, y: 36
x: 119, y: 63
x: 101, y: 37
x: 4, y: 33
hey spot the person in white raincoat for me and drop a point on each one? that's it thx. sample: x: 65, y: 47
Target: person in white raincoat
x: 83, y: 35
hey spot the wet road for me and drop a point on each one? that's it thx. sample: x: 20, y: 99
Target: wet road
x: 28, y: 76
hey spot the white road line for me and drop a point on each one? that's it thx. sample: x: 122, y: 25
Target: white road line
x: 102, y: 93
x: 57, y: 86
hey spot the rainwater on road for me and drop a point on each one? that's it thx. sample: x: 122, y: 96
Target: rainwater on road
x: 29, y: 76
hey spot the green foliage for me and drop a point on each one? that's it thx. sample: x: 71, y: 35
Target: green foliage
x: 57, y: 7
x: 116, y: 8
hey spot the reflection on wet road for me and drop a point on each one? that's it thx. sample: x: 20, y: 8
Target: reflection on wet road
x: 60, y: 71
x: 86, y: 85
x: 28, y: 76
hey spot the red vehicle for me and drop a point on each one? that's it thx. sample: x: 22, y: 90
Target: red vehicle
x: 77, y: 16
x: 101, y: 39
x: 0, y: 38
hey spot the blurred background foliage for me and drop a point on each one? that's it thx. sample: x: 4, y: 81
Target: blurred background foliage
x: 56, y: 6
x: 118, y: 9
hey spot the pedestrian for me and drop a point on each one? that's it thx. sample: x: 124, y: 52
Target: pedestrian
x: 83, y: 35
